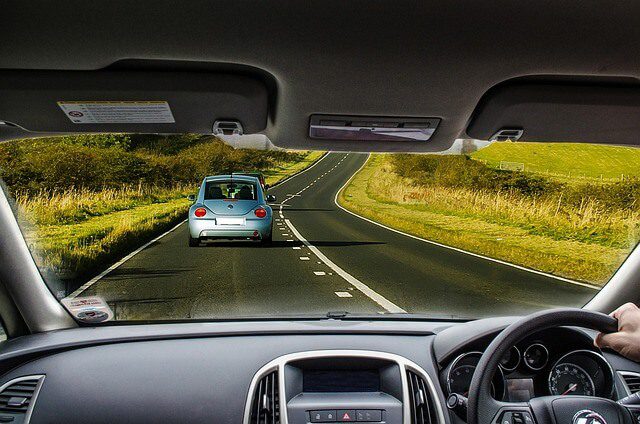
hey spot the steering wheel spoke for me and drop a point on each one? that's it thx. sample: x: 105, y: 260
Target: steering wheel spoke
x: 514, y: 413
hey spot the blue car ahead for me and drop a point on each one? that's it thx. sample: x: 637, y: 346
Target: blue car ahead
x: 230, y: 207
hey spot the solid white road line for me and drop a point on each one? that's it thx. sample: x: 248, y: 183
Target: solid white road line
x: 566, y: 280
x: 366, y: 290
x: 120, y: 262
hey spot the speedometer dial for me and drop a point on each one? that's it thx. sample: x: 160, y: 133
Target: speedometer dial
x: 582, y: 372
x: 460, y: 379
x: 460, y: 373
x: 570, y: 379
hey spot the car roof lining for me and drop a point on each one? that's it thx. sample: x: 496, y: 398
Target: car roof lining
x: 433, y: 59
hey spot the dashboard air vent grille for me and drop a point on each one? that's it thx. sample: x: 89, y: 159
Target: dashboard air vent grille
x: 632, y: 381
x: 19, y: 394
x: 422, y: 408
x: 265, y: 406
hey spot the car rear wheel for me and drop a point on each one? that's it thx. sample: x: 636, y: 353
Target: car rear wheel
x: 194, y: 242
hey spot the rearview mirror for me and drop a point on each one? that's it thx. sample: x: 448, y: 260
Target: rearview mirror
x: 271, y: 198
x: 191, y: 197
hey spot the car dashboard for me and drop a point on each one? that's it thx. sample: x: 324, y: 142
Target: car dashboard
x: 288, y: 371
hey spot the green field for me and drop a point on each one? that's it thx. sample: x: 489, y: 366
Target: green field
x: 566, y: 159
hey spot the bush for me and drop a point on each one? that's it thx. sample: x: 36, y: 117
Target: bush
x: 462, y: 171
x: 97, y: 162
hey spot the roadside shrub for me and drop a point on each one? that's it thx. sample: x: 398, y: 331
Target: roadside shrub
x: 107, y: 161
x: 457, y: 171
x: 121, y: 141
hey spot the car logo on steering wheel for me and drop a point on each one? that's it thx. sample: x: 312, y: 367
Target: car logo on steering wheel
x: 587, y: 416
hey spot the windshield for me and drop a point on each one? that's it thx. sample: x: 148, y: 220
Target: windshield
x: 150, y: 227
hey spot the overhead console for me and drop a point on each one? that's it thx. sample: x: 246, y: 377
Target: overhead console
x: 342, y: 386
x: 596, y: 112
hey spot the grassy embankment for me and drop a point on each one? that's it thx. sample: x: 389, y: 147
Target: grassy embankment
x: 576, y: 228
x: 85, y: 201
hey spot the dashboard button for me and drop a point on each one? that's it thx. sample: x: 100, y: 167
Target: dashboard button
x: 346, y: 415
x: 506, y: 418
x: 369, y: 415
x: 528, y: 419
x: 517, y: 418
x: 323, y: 416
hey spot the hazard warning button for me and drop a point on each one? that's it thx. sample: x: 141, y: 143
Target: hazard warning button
x: 346, y: 415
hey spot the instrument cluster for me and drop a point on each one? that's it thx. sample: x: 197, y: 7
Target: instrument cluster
x: 536, y: 368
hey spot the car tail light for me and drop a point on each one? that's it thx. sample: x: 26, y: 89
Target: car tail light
x: 260, y: 212
x: 200, y: 212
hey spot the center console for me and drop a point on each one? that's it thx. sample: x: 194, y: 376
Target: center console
x: 342, y: 386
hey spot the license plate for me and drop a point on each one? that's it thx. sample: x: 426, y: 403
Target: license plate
x: 230, y: 221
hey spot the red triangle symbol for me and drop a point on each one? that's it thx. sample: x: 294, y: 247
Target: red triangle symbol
x: 346, y: 416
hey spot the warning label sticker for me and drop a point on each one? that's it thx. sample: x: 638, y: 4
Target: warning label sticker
x: 90, y: 309
x: 133, y: 112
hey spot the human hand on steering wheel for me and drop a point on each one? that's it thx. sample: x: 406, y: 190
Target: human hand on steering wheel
x: 625, y: 341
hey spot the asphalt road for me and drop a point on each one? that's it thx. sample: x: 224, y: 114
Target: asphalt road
x: 323, y: 259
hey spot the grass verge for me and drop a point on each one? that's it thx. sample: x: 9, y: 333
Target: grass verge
x: 524, y: 231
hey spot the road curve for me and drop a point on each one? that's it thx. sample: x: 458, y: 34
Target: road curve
x: 323, y: 259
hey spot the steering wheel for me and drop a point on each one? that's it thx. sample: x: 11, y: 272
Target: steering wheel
x: 482, y: 408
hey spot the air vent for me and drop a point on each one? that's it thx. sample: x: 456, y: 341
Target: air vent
x: 265, y: 405
x: 19, y: 394
x: 632, y: 381
x: 422, y: 408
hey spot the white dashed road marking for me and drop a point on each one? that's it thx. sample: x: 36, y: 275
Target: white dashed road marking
x: 366, y: 290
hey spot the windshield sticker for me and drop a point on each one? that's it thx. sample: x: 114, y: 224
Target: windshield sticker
x: 133, y: 112
x: 90, y: 309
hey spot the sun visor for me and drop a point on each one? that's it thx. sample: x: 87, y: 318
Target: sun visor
x: 131, y: 101
x: 559, y: 112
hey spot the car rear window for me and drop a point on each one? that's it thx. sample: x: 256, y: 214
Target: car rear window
x: 216, y: 190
